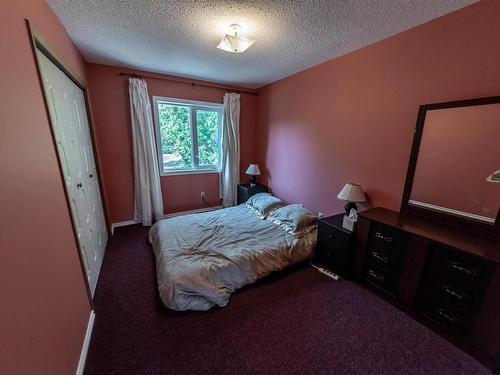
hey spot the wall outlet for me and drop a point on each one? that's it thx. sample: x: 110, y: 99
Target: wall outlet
x: 202, y: 195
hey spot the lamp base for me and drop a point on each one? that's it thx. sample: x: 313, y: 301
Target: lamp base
x: 349, y: 206
x: 253, y: 181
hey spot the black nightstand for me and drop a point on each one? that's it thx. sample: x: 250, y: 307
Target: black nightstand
x: 334, y: 248
x: 245, y: 191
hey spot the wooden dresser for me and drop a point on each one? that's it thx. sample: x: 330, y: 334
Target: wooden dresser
x: 447, y: 273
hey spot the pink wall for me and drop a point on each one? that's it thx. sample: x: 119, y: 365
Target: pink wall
x: 458, y: 150
x: 111, y: 113
x: 45, y: 309
x: 352, y: 118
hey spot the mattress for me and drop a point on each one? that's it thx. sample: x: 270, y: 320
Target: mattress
x: 202, y: 258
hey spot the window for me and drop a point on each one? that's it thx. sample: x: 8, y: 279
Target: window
x: 188, y: 135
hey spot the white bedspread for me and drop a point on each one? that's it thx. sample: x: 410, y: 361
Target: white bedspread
x: 202, y: 258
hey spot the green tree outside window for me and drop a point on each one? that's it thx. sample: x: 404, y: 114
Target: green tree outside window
x: 208, y: 145
x: 176, y: 137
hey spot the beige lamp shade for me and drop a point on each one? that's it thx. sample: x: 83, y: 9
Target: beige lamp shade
x: 352, y: 193
x: 253, y: 170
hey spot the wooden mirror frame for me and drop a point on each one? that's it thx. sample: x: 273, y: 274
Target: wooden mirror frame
x: 409, y: 209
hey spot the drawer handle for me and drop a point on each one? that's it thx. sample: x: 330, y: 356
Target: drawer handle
x: 383, y: 237
x: 375, y: 275
x: 461, y: 296
x: 447, y: 316
x: 380, y: 257
x: 468, y: 270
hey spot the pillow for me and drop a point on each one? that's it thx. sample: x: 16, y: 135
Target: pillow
x: 263, y: 204
x: 295, y: 219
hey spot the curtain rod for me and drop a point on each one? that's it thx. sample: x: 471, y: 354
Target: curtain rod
x: 192, y: 83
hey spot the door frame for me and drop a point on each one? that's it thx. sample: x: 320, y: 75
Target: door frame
x: 39, y: 42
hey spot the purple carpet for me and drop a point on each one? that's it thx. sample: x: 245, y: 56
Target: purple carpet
x: 293, y: 322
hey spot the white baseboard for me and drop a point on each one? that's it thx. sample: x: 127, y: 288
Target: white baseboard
x: 122, y: 224
x: 86, y: 343
x: 167, y: 216
x: 200, y: 210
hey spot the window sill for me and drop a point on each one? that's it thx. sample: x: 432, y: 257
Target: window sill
x: 194, y: 171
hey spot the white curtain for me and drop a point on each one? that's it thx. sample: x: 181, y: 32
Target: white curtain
x: 230, y: 166
x: 148, y: 205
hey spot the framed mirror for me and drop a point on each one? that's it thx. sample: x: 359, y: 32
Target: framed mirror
x: 454, y: 168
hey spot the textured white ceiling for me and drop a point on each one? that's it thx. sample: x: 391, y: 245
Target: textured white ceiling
x: 179, y: 37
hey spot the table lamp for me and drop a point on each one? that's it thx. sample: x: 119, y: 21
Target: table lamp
x: 351, y: 193
x: 254, y: 171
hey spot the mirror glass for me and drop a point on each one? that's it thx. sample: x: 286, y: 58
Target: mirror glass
x: 458, y: 156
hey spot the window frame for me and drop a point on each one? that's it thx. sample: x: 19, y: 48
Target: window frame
x: 194, y: 106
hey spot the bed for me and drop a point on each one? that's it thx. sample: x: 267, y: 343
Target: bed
x: 202, y: 258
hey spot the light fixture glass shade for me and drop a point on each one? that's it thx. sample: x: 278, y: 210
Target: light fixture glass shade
x: 352, y: 193
x: 253, y: 170
x: 494, y: 177
x: 235, y: 44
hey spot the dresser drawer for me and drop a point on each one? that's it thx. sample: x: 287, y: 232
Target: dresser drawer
x: 382, y: 279
x: 331, y: 239
x: 390, y: 259
x: 386, y: 237
x: 458, y: 269
x: 332, y: 248
x: 458, y: 279
x: 463, y: 298
x: 467, y: 298
x: 446, y: 315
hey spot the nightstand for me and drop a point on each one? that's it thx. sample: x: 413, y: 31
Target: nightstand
x: 245, y: 191
x: 334, y: 248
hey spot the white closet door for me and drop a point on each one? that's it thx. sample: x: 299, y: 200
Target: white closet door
x: 74, y: 146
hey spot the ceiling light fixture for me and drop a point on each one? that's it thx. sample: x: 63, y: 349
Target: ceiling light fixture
x: 235, y: 43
